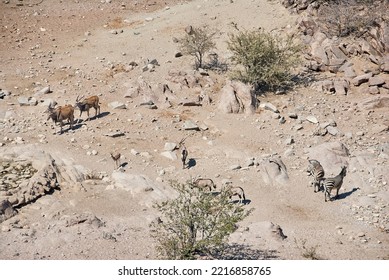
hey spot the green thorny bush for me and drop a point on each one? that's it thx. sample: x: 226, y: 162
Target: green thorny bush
x: 195, y: 223
x: 262, y: 59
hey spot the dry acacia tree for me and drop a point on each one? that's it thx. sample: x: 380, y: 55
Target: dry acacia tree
x: 197, y: 42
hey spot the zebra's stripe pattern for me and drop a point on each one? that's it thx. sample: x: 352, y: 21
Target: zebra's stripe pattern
x: 336, y: 182
x: 316, y: 171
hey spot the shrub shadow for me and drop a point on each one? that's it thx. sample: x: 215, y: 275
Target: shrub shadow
x: 244, y: 252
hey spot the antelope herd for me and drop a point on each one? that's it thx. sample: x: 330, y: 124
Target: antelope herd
x: 315, y: 170
x: 66, y: 112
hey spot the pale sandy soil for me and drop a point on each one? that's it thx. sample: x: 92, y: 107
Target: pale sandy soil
x: 70, y: 46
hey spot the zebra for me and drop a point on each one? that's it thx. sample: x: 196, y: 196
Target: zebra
x: 328, y: 184
x: 316, y: 170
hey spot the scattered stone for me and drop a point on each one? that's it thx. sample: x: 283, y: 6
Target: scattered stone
x: 375, y: 102
x: 374, y: 90
x: 4, y: 93
x: 170, y: 155
x: 361, y: 234
x: 289, y: 152
x: 292, y: 115
x: 378, y: 128
x: 170, y: 146
x: 237, y: 97
x: 23, y: 101
x: 114, y: 134
x: 360, y: 133
x: 312, y: 119
x: 235, y: 167
x: 48, y: 102
x: 269, y: 106
x: 357, y: 81
x: 117, y: 105
x: 190, y: 125
x: 332, y: 130
x: 43, y: 91
x: 298, y: 127
x: 376, y: 81
x: 289, y: 141
x: 341, y: 86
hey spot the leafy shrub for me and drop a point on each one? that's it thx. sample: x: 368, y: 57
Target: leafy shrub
x: 263, y: 59
x: 195, y: 223
x: 197, y: 42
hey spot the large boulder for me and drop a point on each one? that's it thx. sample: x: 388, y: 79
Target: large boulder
x: 374, y: 103
x: 274, y: 171
x: 331, y: 155
x: 143, y: 188
x: 237, y: 97
x: 52, y: 172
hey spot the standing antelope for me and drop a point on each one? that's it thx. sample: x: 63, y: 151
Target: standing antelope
x: 183, y: 153
x: 60, y: 114
x: 84, y: 104
x: 235, y: 191
x: 116, y: 159
x: 336, y: 182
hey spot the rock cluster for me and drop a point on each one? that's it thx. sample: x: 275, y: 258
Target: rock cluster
x: 336, y: 54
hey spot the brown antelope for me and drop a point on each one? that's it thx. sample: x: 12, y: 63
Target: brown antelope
x: 116, y: 159
x: 184, y: 155
x: 84, y: 104
x: 183, y: 152
x: 61, y: 113
x: 204, y: 183
x: 236, y: 191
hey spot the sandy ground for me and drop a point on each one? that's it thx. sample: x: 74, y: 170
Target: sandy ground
x: 80, y: 48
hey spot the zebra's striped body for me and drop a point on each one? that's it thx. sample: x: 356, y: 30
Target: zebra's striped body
x: 316, y: 170
x: 336, y: 182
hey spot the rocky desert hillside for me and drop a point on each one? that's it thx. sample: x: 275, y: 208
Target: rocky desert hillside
x: 61, y: 195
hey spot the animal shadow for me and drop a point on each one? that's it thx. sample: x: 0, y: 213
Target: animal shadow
x: 244, y: 202
x: 124, y: 164
x: 101, y: 115
x: 75, y: 127
x: 191, y: 163
x: 346, y: 194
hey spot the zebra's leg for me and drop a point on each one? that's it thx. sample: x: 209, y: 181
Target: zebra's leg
x: 326, y: 193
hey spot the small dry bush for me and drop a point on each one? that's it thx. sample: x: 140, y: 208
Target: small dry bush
x: 196, y: 223
x: 197, y: 42
x: 263, y: 59
x: 307, y: 252
x: 344, y: 18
